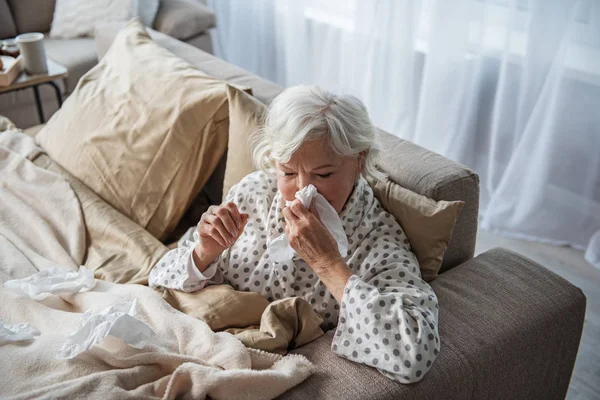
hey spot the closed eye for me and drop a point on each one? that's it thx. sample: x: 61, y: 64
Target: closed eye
x: 325, y: 175
x: 289, y: 173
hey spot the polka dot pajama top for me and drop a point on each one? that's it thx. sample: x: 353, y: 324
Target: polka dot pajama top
x: 388, y: 315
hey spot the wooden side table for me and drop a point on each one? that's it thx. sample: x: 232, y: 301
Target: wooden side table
x: 26, y: 81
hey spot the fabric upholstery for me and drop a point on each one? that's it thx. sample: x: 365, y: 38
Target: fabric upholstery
x: 32, y: 15
x: 77, y: 55
x: 183, y: 19
x: 202, y: 41
x: 8, y: 28
x: 509, y: 329
x: 160, y: 154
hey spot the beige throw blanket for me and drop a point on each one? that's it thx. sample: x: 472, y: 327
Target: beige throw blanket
x: 189, y: 361
x: 40, y: 216
x: 41, y: 225
x: 275, y: 327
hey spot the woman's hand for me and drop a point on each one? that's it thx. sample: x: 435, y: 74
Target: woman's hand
x: 309, y: 237
x: 218, y: 229
x: 313, y: 242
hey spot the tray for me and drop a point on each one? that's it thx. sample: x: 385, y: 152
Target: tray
x: 10, y: 71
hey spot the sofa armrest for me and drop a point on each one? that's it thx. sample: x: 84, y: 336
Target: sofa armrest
x: 509, y: 329
x: 183, y: 19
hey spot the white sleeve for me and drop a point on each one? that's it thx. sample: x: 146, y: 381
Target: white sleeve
x: 176, y: 270
x: 393, y: 330
x: 389, y: 315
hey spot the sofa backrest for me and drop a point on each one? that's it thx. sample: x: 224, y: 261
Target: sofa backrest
x: 8, y: 28
x: 30, y: 15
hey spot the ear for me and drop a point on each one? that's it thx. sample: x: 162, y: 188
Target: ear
x: 361, y: 162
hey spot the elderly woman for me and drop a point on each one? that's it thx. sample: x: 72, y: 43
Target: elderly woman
x: 386, y: 315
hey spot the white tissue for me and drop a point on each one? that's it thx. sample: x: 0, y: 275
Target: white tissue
x: 53, y: 281
x: 17, y: 333
x: 118, y: 320
x: 280, y: 249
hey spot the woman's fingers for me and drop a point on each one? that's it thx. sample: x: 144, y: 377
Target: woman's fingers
x: 223, y: 223
x: 223, y: 214
x: 289, y: 215
x: 219, y: 223
x: 206, y: 229
x: 297, y: 208
x: 234, y: 213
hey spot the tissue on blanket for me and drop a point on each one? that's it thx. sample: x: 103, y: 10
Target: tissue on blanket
x: 17, y: 333
x: 53, y: 281
x: 117, y: 320
x: 280, y: 249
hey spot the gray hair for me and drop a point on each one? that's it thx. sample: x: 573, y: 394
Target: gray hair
x: 303, y: 113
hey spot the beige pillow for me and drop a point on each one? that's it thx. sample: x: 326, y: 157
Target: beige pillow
x: 143, y: 129
x: 428, y: 224
x: 245, y: 116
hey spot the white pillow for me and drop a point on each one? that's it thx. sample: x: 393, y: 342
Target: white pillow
x: 74, y: 18
x: 147, y: 10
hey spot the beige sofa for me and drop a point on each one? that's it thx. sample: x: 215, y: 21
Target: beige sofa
x: 509, y: 327
x: 186, y: 20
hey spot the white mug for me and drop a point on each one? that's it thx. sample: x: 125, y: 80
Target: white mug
x: 32, y: 49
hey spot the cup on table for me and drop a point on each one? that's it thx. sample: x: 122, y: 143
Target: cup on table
x: 32, y: 49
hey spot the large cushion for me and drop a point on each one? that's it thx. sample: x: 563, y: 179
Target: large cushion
x: 75, y: 18
x: 77, y: 55
x: 32, y: 15
x: 7, y: 23
x: 183, y: 19
x: 245, y: 116
x: 143, y: 129
x: 428, y: 224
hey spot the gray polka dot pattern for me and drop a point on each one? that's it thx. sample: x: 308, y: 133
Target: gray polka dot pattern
x: 388, y: 315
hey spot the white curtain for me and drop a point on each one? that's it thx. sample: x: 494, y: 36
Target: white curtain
x: 510, y: 88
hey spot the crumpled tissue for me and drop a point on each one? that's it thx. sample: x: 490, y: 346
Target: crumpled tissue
x: 17, y: 333
x: 117, y: 320
x: 280, y: 249
x: 53, y: 281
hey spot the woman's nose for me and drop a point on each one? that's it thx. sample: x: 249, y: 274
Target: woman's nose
x: 304, y: 181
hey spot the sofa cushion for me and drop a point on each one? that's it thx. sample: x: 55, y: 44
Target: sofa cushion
x: 183, y: 19
x: 122, y: 134
x: 245, y: 116
x: 428, y: 224
x: 32, y: 15
x: 7, y: 23
x: 77, y: 55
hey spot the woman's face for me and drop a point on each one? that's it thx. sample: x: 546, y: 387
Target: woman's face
x: 315, y: 163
